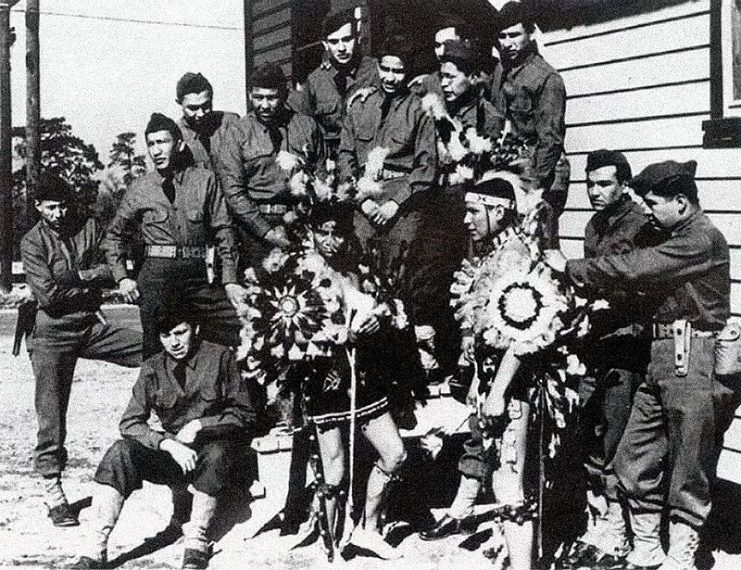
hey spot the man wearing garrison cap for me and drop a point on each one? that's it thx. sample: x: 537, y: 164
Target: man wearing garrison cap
x: 616, y: 360
x: 66, y: 271
x: 255, y: 182
x: 343, y: 71
x: 203, y: 128
x: 179, y: 209
x: 534, y: 99
x: 681, y: 410
x: 443, y: 239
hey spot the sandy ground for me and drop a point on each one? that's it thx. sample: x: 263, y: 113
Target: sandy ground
x: 99, y: 394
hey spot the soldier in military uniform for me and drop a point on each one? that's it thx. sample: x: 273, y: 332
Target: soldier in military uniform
x: 534, y: 99
x: 681, y: 410
x: 180, y: 210
x: 254, y: 182
x: 443, y: 239
x: 617, y: 360
x: 343, y: 71
x: 65, y: 269
x: 388, y: 144
x: 202, y: 128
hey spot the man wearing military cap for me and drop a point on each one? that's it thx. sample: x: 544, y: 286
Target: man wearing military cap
x: 616, y: 361
x: 681, y: 410
x: 534, y: 99
x: 180, y: 209
x: 203, y: 128
x: 255, y: 182
x: 66, y: 271
x: 343, y: 71
x: 443, y: 239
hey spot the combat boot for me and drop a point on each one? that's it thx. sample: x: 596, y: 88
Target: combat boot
x: 196, y: 554
x: 108, y: 503
x: 683, y: 543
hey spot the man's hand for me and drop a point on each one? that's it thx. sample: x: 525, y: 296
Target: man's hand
x: 369, y: 208
x: 277, y: 236
x: 386, y: 212
x: 555, y: 259
x: 128, y: 290
x: 369, y: 326
x: 183, y: 455
x: 189, y: 431
x: 493, y: 405
x: 236, y: 294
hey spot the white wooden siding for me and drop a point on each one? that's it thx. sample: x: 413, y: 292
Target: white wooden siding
x: 641, y: 85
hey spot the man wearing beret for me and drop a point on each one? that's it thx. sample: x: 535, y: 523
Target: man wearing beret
x: 443, y: 239
x: 534, y: 99
x: 66, y: 271
x: 616, y: 360
x: 666, y: 459
x: 203, y: 128
x: 389, y: 142
x: 343, y: 71
x: 255, y: 182
x: 179, y: 209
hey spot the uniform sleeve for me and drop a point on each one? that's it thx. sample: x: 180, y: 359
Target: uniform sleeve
x: 98, y: 274
x: 134, y: 424
x: 424, y: 165
x: 347, y: 158
x: 233, y: 183
x: 549, y: 126
x: 238, y: 411
x: 673, y: 261
x: 224, y: 235
x: 46, y: 290
x: 121, y: 228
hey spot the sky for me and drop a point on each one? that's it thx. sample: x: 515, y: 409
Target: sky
x: 107, y: 65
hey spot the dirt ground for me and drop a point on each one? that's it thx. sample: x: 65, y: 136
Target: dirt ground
x: 99, y: 394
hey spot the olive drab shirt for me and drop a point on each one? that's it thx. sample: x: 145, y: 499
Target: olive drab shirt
x: 213, y: 392
x: 197, y: 217
x: 65, y: 271
x: 534, y: 96
x: 321, y: 96
x: 249, y: 173
x: 207, y: 143
x: 408, y: 133
x: 689, y: 270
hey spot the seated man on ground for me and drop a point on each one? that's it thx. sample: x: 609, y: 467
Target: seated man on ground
x: 195, y: 389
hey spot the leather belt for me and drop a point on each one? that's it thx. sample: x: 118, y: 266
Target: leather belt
x: 666, y: 330
x: 272, y: 208
x: 176, y: 251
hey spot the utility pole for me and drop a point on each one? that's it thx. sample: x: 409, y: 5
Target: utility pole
x: 6, y: 174
x: 33, y: 105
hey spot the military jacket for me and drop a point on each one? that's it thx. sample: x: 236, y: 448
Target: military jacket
x: 535, y: 102
x: 407, y: 132
x: 214, y: 129
x: 65, y: 272
x: 197, y: 217
x: 249, y: 173
x: 689, y: 271
x: 213, y: 393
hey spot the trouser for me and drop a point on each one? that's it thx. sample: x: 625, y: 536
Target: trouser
x: 473, y: 462
x: 128, y: 463
x: 389, y: 245
x: 605, y: 399
x: 436, y: 253
x: 183, y: 281
x: 54, y: 348
x: 668, y: 453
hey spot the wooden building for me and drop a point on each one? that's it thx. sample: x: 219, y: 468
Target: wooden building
x: 656, y: 79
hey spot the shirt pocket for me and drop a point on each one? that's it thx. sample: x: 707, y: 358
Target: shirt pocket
x: 155, y: 216
x: 165, y: 401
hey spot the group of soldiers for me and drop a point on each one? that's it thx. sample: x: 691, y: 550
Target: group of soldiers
x: 651, y: 411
